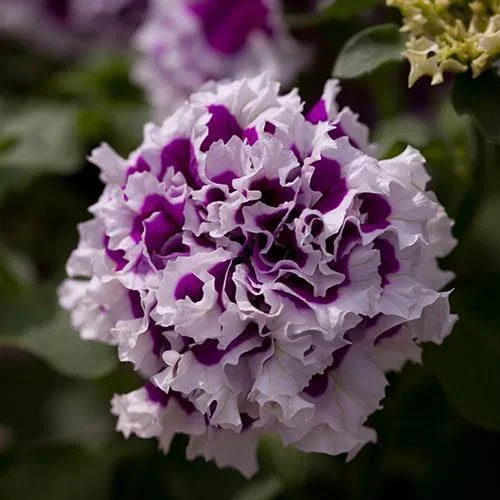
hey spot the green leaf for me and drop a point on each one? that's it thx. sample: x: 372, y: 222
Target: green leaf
x: 265, y: 489
x: 21, y: 313
x: 102, y: 76
x: 468, y: 362
x: 62, y: 348
x: 127, y: 123
x: 291, y: 465
x: 350, y: 8
x: 40, y: 136
x: 34, y: 323
x: 16, y: 271
x: 481, y: 247
x: 37, y: 138
x: 368, y: 50
x: 57, y: 472
x: 176, y: 475
x: 467, y: 367
x: 341, y: 9
x: 79, y: 412
x: 402, y: 130
x: 14, y: 180
x: 478, y: 97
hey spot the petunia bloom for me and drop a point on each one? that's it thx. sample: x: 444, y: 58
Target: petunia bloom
x: 262, y: 270
x: 67, y: 25
x: 185, y: 43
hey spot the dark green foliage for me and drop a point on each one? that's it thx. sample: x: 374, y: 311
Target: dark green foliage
x: 369, y: 49
x: 478, y: 97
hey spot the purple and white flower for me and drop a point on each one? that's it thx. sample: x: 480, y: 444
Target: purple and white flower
x: 262, y: 270
x: 188, y: 42
x: 67, y: 25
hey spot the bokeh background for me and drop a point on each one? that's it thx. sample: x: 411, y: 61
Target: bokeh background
x: 62, y: 92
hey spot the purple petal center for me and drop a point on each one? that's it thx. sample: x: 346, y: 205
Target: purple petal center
x: 221, y: 126
x: 189, y: 286
x: 180, y: 155
x: 377, y: 209
x: 228, y: 24
x: 327, y: 179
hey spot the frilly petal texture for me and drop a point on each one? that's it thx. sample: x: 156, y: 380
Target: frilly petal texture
x: 262, y: 271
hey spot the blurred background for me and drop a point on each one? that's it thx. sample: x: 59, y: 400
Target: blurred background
x: 66, y: 88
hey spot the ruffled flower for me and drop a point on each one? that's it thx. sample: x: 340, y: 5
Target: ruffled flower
x: 188, y: 42
x: 262, y: 271
x: 68, y: 25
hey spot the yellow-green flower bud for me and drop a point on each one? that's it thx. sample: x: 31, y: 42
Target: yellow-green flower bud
x: 449, y: 35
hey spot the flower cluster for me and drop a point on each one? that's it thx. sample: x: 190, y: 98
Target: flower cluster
x: 262, y: 270
x: 450, y: 35
x: 188, y: 42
